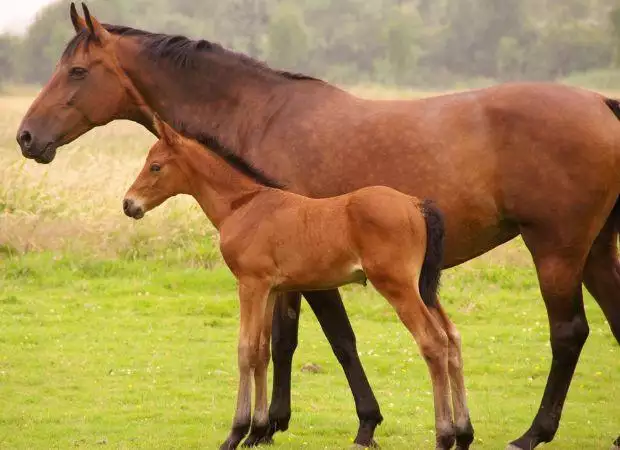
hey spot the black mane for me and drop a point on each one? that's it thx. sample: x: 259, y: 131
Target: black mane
x: 236, y: 161
x: 182, y: 51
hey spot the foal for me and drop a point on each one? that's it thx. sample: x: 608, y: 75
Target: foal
x: 274, y: 241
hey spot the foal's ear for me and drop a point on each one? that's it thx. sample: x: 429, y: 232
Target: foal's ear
x: 165, y: 131
x: 97, y: 31
x: 79, y: 24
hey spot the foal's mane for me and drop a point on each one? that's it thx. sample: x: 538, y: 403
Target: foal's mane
x: 182, y: 51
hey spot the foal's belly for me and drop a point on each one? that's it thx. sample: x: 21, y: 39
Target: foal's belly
x: 312, y: 281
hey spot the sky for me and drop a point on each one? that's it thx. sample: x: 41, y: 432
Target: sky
x: 15, y: 15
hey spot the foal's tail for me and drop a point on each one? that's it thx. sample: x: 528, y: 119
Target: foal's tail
x: 433, y: 258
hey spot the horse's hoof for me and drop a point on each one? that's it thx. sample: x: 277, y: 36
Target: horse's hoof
x: 228, y: 445
x: 255, y: 441
x: 513, y: 447
x: 373, y: 444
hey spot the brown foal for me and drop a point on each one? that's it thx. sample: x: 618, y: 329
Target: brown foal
x: 276, y: 241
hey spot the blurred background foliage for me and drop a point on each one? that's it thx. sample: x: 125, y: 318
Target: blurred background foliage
x: 422, y: 43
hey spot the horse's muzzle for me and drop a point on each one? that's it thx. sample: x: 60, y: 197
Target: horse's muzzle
x: 42, y: 152
x: 132, y: 209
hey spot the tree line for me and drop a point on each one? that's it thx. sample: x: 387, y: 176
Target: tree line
x: 403, y: 42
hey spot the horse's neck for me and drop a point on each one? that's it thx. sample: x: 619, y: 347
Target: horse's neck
x: 229, y: 101
x: 218, y: 188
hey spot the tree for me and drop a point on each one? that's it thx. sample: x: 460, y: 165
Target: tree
x: 401, y: 36
x: 287, y: 37
x: 7, y: 48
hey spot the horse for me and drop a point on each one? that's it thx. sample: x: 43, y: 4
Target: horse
x: 538, y: 160
x: 277, y: 241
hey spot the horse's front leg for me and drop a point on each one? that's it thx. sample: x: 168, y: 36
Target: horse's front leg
x: 253, y: 298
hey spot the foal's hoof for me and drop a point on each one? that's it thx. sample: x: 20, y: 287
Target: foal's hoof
x: 372, y: 444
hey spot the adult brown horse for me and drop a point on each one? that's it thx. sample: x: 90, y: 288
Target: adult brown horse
x: 540, y: 160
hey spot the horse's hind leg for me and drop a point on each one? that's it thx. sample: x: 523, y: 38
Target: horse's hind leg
x: 402, y: 293
x: 602, y: 279
x: 559, y: 269
x: 462, y: 422
x: 602, y: 276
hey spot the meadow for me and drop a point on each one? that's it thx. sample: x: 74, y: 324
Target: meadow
x: 117, y: 333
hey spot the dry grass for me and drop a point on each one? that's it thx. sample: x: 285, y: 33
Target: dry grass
x: 74, y: 204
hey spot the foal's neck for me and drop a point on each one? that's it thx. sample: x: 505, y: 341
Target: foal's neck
x: 230, y: 100
x: 218, y: 188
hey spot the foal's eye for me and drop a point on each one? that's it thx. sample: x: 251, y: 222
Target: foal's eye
x: 155, y: 167
x: 77, y: 73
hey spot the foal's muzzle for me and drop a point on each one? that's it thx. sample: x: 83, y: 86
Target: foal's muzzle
x: 132, y: 209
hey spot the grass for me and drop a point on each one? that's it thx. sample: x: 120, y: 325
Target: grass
x: 123, y: 333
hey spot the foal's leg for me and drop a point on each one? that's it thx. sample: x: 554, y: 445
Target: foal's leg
x: 253, y: 297
x: 559, y: 275
x: 283, y: 345
x: 258, y: 430
x: 432, y: 340
x: 329, y: 309
x: 462, y: 422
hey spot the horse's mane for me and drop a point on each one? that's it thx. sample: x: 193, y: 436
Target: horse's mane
x: 236, y: 162
x: 182, y: 51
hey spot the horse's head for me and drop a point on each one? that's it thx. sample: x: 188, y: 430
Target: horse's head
x: 164, y: 173
x: 82, y: 93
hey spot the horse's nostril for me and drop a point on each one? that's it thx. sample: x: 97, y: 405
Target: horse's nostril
x: 25, y: 138
x: 126, y: 205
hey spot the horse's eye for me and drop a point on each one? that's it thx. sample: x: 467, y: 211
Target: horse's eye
x: 77, y: 73
x: 155, y: 167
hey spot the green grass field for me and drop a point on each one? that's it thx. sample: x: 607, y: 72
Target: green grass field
x: 122, y: 334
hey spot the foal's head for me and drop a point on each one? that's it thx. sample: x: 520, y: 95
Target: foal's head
x: 165, y: 173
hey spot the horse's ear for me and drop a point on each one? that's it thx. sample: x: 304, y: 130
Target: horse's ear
x: 165, y: 131
x: 78, y: 23
x: 97, y: 31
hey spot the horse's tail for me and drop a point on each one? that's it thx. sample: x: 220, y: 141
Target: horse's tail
x: 614, y: 106
x: 615, y: 217
x: 433, y: 258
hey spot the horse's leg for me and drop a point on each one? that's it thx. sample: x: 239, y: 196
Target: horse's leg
x: 329, y: 310
x: 283, y: 345
x: 253, y: 297
x: 560, y: 275
x: 432, y: 340
x: 602, y: 278
x: 462, y: 422
x: 258, y: 430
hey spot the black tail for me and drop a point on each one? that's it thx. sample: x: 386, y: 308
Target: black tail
x: 614, y: 105
x: 433, y: 259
